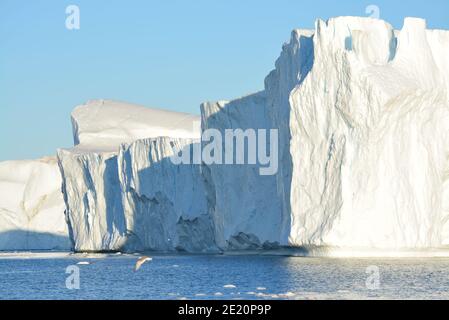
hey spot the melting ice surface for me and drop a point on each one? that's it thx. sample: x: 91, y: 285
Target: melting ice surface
x: 43, y: 276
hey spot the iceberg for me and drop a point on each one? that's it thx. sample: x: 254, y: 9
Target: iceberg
x: 362, y: 118
x: 362, y: 114
x: 122, y: 191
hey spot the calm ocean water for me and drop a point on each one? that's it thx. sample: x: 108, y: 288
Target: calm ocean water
x: 31, y: 276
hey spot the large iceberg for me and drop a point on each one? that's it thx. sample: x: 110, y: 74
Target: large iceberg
x: 362, y: 118
x: 122, y: 192
x: 362, y: 112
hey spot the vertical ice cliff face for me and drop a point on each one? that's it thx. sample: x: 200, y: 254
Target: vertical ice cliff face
x: 369, y: 138
x: 122, y: 193
x: 362, y: 117
x: 31, y: 206
x: 318, y: 143
x: 93, y: 200
x: 259, y: 213
x: 292, y: 67
x: 245, y: 204
x: 164, y: 203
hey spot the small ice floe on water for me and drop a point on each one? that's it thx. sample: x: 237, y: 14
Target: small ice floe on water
x: 141, y: 261
x: 267, y: 295
x: 287, y: 295
x: 83, y: 263
x: 251, y: 293
x: 261, y: 288
x: 175, y: 266
x: 229, y: 286
x: 200, y: 295
x: 218, y: 294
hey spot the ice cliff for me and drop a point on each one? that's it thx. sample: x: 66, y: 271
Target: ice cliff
x: 362, y: 113
x: 165, y: 204
x: 369, y: 139
x: 123, y: 192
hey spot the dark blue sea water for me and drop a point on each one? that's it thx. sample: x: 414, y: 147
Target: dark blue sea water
x: 37, y: 276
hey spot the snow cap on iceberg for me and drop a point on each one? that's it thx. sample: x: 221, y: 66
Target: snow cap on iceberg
x: 102, y: 125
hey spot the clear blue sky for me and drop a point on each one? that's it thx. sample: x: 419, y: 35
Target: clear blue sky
x: 172, y: 54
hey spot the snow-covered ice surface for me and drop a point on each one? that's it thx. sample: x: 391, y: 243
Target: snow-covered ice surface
x: 240, y: 277
x: 102, y: 125
x: 31, y: 206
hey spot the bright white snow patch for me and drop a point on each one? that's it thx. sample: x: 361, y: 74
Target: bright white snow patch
x: 102, y: 125
x: 31, y: 206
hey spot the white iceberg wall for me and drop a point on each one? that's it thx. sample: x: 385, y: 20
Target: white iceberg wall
x: 31, y: 206
x: 165, y: 203
x: 257, y: 212
x: 362, y: 116
x: 318, y: 137
x: 369, y: 138
x: 131, y: 197
x: 292, y: 67
x: 93, y: 201
x: 246, y: 205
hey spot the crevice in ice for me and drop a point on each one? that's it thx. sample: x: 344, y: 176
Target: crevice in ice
x: 393, y: 48
x: 348, y: 43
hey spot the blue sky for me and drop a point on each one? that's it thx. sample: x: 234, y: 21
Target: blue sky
x: 171, y: 54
